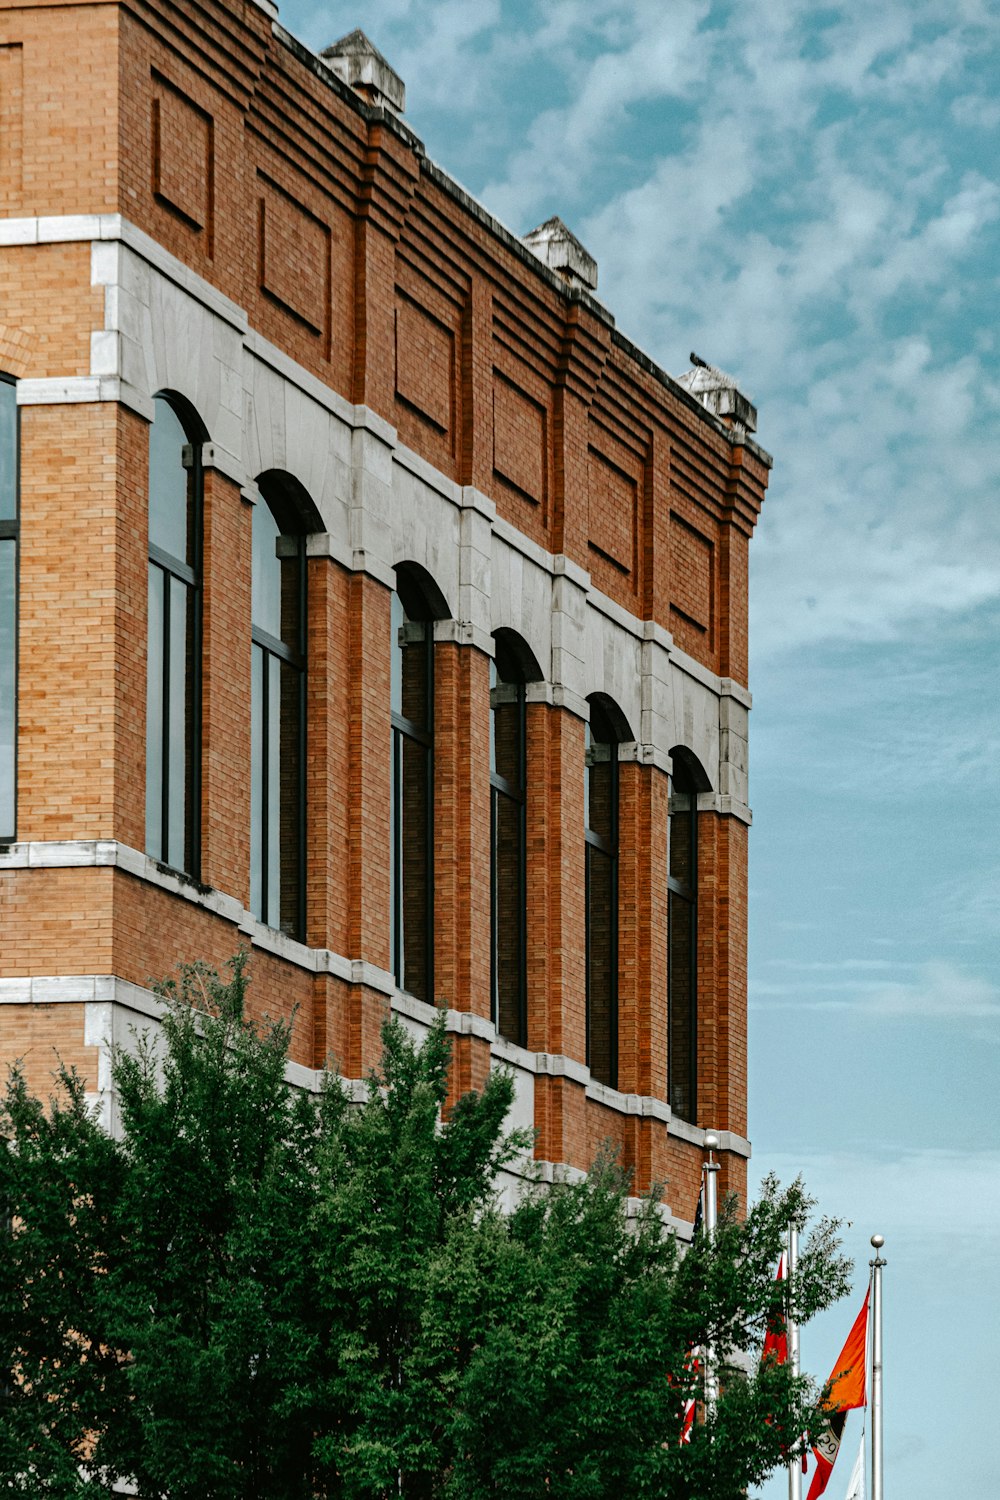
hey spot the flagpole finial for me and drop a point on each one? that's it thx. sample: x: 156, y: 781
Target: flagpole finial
x: 878, y: 1240
x: 711, y: 1141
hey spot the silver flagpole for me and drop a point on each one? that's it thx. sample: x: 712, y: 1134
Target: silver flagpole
x: 711, y: 1219
x: 792, y: 1328
x: 876, y: 1265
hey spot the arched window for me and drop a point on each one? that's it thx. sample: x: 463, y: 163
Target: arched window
x: 412, y: 852
x: 682, y: 944
x: 278, y: 619
x: 8, y: 607
x: 508, y: 845
x: 601, y: 810
x: 173, y: 670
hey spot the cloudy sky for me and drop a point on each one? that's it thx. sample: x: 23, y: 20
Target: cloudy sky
x: 809, y: 196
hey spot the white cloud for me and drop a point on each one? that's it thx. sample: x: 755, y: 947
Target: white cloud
x: 800, y: 211
x: 936, y: 990
x: 975, y: 112
x: 907, y: 1195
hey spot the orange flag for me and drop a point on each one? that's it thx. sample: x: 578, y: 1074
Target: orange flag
x: 847, y: 1390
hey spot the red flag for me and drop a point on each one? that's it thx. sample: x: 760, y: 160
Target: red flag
x: 847, y: 1391
x: 776, y: 1338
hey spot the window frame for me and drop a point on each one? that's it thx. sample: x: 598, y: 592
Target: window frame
x: 517, y: 795
x: 191, y: 576
x: 402, y: 728
x: 686, y: 891
x: 273, y: 648
x: 608, y: 847
x: 10, y: 531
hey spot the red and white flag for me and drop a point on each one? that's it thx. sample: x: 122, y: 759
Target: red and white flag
x: 692, y: 1368
x: 776, y: 1339
x: 847, y: 1391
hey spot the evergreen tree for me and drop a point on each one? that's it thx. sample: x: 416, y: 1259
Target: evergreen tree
x: 251, y: 1291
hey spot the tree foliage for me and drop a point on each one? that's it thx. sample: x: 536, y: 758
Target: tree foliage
x: 251, y: 1291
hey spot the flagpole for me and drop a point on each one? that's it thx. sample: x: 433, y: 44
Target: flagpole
x: 709, y: 1170
x: 877, y: 1242
x: 792, y: 1327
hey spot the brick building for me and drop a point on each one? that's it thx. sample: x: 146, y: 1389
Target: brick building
x: 366, y: 597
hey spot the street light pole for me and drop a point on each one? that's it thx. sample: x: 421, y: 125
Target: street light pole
x: 710, y: 1168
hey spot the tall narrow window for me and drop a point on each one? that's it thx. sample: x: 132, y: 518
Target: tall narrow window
x: 682, y: 929
x: 508, y: 874
x: 8, y: 607
x: 278, y: 716
x: 173, y: 673
x: 601, y: 802
x: 412, y: 706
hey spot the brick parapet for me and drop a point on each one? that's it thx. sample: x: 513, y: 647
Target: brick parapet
x: 230, y: 138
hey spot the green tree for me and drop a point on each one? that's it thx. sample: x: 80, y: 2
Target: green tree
x: 251, y: 1291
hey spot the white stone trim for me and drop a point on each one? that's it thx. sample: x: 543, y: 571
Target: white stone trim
x: 380, y: 502
x: 98, y: 993
x: 726, y: 806
x: 74, y: 390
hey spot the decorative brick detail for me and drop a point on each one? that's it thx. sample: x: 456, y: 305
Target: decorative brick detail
x: 183, y: 157
x: 11, y: 126
x: 294, y: 259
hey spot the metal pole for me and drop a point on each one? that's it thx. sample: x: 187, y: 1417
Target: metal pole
x: 876, y: 1265
x: 711, y: 1219
x: 792, y: 1329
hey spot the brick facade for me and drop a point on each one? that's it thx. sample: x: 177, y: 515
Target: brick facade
x: 195, y: 205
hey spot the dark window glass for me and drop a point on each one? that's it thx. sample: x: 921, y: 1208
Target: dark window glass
x: 8, y: 668
x: 8, y: 608
x: 411, y: 704
x: 277, y: 718
x: 8, y: 450
x: 173, y: 663
x: 682, y: 960
x: 601, y: 794
x: 508, y: 850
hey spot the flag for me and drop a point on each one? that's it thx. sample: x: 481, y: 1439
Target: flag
x: 776, y: 1339
x: 692, y: 1364
x: 847, y: 1391
x: 856, y: 1488
x: 687, y: 1420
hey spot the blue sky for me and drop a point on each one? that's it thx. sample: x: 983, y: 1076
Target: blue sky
x: 809, y: 196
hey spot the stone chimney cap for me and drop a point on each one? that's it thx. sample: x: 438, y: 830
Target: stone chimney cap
x: 362, y: 66
x: 559, y: 248
x: 719, y: 393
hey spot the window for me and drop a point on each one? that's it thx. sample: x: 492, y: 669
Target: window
x: 682, y: 932
x: 508, y: 873
x: 8, y: 606
x: 278, y: 712
x: 412, y: 709
x: 601, y: 809
x: 173, y: 672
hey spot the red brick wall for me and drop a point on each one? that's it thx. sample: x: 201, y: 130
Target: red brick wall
x: 347, y: 252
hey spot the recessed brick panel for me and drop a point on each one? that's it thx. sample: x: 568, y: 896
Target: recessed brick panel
x: 294, y: 254
x: 519, y: 439
x: 692, y: 593
x: 613, y: 501
x: 183, y: 157
x: 11, y: 126
x: 425, y: 364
